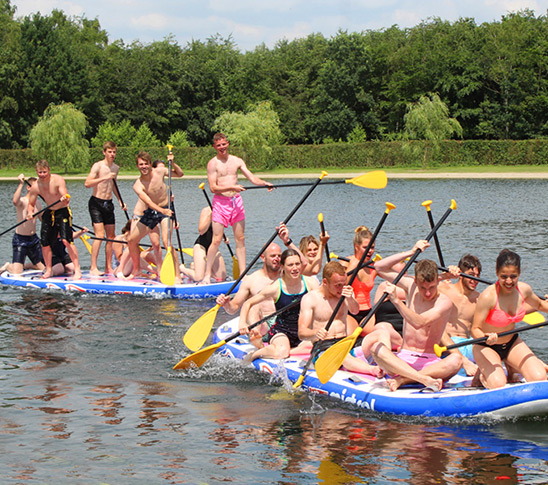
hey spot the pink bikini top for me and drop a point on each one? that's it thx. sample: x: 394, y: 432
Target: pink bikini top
x: 499, y: 318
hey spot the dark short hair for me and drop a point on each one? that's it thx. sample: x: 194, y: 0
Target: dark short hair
x: 508, y: 258
x: 469, y: 261
x: 143, y: 156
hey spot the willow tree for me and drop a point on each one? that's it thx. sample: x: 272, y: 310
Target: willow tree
x: 429, y: 120
x: 59, y: 137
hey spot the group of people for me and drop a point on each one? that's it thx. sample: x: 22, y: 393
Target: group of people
x: 417, y: 313
x: 153, y: 215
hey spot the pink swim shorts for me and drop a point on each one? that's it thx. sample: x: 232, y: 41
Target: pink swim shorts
x: 227, y: 210
x: 417, y: 360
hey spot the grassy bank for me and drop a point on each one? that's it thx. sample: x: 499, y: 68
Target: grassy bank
x: 457, y: 172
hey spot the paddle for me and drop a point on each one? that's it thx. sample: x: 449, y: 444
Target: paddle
x: 370, y: 180
x: 355, y: 272
x: 322, y: 227
x: 65, y: 197
x: 170, y: 148
x: 235, y: 263
x: 534, y: 320
x: 200, y: 357
x: 120, y: 198
x: 330, y: 361
x: 167, y: 272
x: 427, y: 204
x: 197, y: 334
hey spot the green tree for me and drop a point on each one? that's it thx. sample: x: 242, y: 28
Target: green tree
x: 121, y: 133
x: 179, y: 139
x: 59, y: 137
x: 145, y: 138
x: 255, y: 132
x: 429, y: 120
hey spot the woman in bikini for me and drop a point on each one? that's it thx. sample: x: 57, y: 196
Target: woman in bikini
x: 365, y: 280
x: 283, y: 334
x: 499, y: 308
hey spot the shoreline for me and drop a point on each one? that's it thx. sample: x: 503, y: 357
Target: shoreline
x: 347, y: 175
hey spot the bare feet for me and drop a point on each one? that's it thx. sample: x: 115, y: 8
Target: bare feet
x: 77, y: 275
x: 249, y: 357
x: 428, y: 382
x: 95, y: 272
x: 4, y: 267
x: 46, y: 274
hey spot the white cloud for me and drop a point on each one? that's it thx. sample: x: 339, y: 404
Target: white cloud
x: 152, y: 21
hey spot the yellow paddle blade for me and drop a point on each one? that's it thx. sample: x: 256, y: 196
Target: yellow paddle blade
x: 534, y: 318
x: 189, y: 251
x: 197, y: 334
x: 330, y: 361
x: 167, y: 273
x: 235, y: 268
x: 198, y: 358
x: 84, y: 239
x: 370, y: 180
x: 438, y: 349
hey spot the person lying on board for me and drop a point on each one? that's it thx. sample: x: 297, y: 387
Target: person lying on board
x: 464, y: 296
x: 313, y: 251
x: 500, y: 306
x: 57, y: 220
x: 152, y: 190
x: 283, y: 335
x: 199, y: 251
x: 365, y: 281
x: 426, y: 312
x: 25, y: 242
x: 318, y: 306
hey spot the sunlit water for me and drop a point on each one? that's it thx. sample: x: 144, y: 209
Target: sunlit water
x: 88, y: 394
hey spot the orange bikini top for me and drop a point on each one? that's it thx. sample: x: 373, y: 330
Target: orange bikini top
x: 499, y: 318
x: 362, y: 290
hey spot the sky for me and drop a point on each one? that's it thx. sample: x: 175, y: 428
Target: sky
x: 253, y: 22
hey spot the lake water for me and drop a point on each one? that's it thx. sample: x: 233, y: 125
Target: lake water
x: 88, y: 394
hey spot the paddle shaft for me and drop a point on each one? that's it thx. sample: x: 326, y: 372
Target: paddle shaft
x: 294, y: 184
x: 34, y: 215
x: 120, y: 197
x: 286, y: 220
x: 355, y: 272
x: 502, y: 334
x: 322, y: 228
x: 172, y: 205
x: 436, y: 240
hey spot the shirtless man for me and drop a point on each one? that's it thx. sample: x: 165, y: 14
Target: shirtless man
x: 464, y: 296
x: 152, y: 191
x: 228, y: 208
x: 25, y: 242
x: 57, y: 221
x: 425, y: 312
x: 317, y: 307
x: 101, y: 208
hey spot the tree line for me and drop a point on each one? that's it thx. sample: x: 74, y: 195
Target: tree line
x: 354, y: 86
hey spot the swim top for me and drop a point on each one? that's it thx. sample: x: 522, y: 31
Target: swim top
x: 499, y: 318
x: 362, y: 290
x: 291, y: 316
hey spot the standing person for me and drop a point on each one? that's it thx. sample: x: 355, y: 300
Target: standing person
x: 317, y: 308
x: 464, y: 296
x: 365, y: 281
x: 425, y: 312
x: 152, y: 190
x: 57, y: 221
x: 101, y: 209
x: 283, y: 334
x: 199, y: 252
x: 25, y: 242
x: 499, y: 308
x: 228, y: 207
